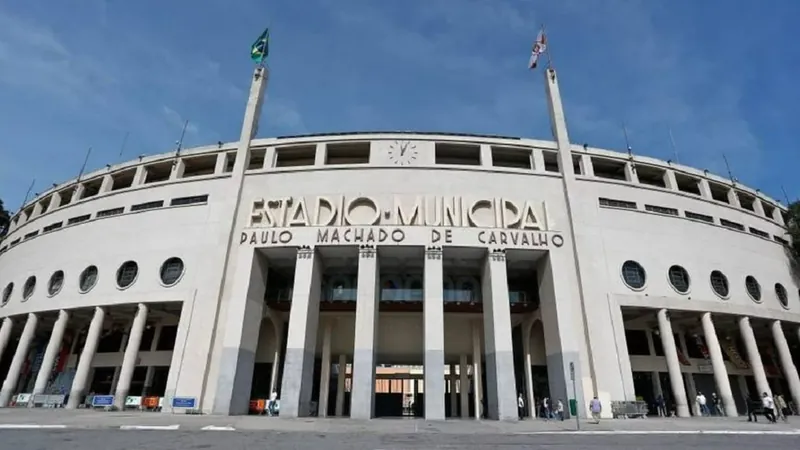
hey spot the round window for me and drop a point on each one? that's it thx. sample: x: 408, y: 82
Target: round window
x: 88, y: 279
x: 783, y: 296
x: 679, y: 279
x: 171, y: 271
x: 27, y: 289
x: 127, y: 273
x: 7, y: 293
x: 633, y: 275
x: 719, y: 282
x: 56, y: 282
x: 753, y: 288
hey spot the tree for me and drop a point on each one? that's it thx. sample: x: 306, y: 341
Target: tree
x: 5, y: 219
x: 794, y: 227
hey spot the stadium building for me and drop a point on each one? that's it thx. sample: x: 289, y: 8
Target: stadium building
x: 388, y: 274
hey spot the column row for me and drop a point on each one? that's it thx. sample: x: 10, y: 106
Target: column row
x: 718, y: 364
x: 304, y: 323
x: 80, y: 381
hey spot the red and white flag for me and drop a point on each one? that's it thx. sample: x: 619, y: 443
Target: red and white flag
x: 539, y: 47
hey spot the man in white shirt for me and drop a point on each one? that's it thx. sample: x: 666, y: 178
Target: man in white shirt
x: 769, y: 407
x: 703, y: 403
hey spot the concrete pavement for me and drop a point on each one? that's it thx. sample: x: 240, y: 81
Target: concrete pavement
x: 23, y: 418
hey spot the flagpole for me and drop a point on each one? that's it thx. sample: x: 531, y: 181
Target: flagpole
x: 728, y: 166
x: 180, y: 141
x: 30, y: 188
x: 124, y: 141
x: 674, y: 147
x: 83, y: 167
x: 786, y: 196
x: 627, y: 143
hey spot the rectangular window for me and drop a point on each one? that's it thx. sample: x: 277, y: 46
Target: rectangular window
x: 608, y: 168
x: 697, y: 216
x: 550, y: 161
x: 351, y: 153
x: 758, y: 232
x: 516, y: 158
x: 611, y: 203
x: 637, y: 342
x: 166, y: 341
x: 111, y: 212
x: 148, y: 205
x: 79, y: 219
x: 457, y: 154
x: 199, y: 165
x: 189, y: 200
x: 30, y: 235
x: 16, y: 241
x: 148, y: 335
x: 295, y: 156
x: 661, y: 210
x: 53, y: 226
x: 731, y: 224
x: 777, y: 239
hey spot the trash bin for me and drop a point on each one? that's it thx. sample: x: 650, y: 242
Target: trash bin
x: 573, y: 407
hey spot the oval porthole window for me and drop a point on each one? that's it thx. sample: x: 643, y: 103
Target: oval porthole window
x: 88, y: 279
x: 782, y: 295
x: 171, y: 271
x: 7, y: 293
x: 56, y: 283
x: 719, y: 282
x: 753, y: 288
x: 28, y: 288
x: 679, y: 279
x: 633, y: 275
x: 127, y: 273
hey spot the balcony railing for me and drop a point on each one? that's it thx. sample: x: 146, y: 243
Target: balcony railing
x: 398, y: 295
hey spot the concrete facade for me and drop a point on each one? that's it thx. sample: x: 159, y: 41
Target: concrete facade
x: 300, y: 207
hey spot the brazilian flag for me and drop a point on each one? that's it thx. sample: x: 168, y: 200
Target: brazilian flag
x: 260, y: 48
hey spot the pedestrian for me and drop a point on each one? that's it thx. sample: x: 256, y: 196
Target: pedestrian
x: 560, y: 410
x: 780, y: 408
x: 769, y: 407
x: 702, y: 402
x: 660, y: 406
x: 546, y: 407
x: 272, y: 407
x: 595, y: 407
x: 752, y: 409
x: 717, y: 402
x: 520, y: 405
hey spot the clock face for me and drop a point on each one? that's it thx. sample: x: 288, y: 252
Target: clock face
x: 402, y: 153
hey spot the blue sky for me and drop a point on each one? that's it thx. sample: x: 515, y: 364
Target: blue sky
x: 720, y: 73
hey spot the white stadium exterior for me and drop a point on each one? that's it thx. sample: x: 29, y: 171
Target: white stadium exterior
x: 488, y: 266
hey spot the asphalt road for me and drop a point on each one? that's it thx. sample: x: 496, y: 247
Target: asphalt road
x: 196, y: 440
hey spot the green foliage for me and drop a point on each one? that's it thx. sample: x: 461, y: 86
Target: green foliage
x: 794, y: 226
x: 5, y: 219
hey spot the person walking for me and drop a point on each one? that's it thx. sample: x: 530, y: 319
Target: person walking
x: 546, y: 406
x: 596, y: 408
x: 703, y: 403
x: 520, y: 406
x: 780, y: 408
x: 560, y: 410
x: 769, y: 407
x: 661, y: 406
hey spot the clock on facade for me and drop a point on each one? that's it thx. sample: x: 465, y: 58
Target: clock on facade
x: 402, y: 152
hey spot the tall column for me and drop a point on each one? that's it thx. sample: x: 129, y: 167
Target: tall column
x: 130, y: 356
x: 433, y: 311
x: 325, y: 371
x: 527, y: 360
x: 362, y: 392
x: 453, y: 393
x: 655, y: 375
x: 789, y: 369
x: 5, y: 334
x: 301, y: 342
x: 720, y: 372
x: 500, y: 383
x: 673, y: 365
x: 50, y: 353
x: 85, y: 361
x: 477, y: 363
x: 754, y: 357
x: 688, y: 378
x: 340, y: 385
x: 12, y: 377
x: 245, y: 313
x: 463, y: 385
x: 276, y: 356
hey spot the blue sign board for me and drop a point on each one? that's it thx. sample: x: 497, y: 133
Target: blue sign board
x: 183, y: 402
x: 102, y: 400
